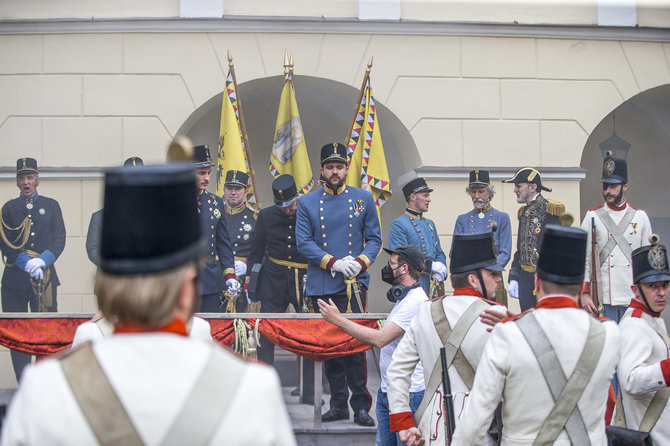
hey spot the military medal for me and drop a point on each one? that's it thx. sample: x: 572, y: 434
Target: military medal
x: 481, y: 215
x: 42, y: 211
x: 29, y: 205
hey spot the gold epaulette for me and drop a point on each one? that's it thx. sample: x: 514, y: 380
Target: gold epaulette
x: 555, y: 208
x: 518, y: 214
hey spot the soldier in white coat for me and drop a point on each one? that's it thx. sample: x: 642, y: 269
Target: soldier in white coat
x: 148, y: 383
x: 475, y: 275
x: 529, y: 362
x: 644, y: 366
x: 620, y: 229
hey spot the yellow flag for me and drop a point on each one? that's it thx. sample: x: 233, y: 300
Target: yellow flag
x: 232, y: 154
x: 367, y: 162
x: 289, y: 151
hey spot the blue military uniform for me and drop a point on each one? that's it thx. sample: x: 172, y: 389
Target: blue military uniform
x: 412, y: 228
x: 220, y: 262
x: 472, y: 223
x: 39, y: 219
x: 331, y: 225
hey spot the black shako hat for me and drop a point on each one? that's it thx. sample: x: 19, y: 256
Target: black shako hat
x: 151, y: 221
x: 650, y: 262
x: 479, y: 178
x: 284, y: 191
x: 415, y: 186
x: 236, y: 178
x: 133, y: 161
x: 615, y: 170
x: 26, y: 165
x: 528, y: 175
x: 333, y: 152
x: 201, y: 156
x: 469, y: 252
x: 411, y: 254
x: 562, y: 255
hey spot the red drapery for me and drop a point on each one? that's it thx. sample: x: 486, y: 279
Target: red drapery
x: 313, y: 338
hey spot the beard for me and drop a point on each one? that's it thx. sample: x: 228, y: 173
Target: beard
x: 334, y: 183
x: 614, y: 199
x: 479, y: 204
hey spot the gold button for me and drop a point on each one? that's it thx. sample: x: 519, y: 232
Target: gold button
x: 350, y: 225
x: 321, y: 209
x: 210, y: 209
x: 323, y: 226
x: 349, y: 252
x: 289, y: 257
x: 289, y: 237
x: 349, y: 235
x: 350, y: 200
x: 325, y: 244
x: 349, y: 243
x: 350, y: 208
x: 212, y: 226
x: 32, y: 233
x: 323, y: 235
x: 321, y: 201
x: 322, y: 217
x: 211, y: 218
x: 290, y: 227
x: 288, y: 246
x: 351, y: 216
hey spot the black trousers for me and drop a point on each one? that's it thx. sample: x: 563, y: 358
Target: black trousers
x: 278, y: 303
x: 527, y: 297
x: 18, y: 301
x: 347, y: 371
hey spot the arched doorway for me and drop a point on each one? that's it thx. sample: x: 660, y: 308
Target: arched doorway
x: 326, y: 108
x: 644, y: 122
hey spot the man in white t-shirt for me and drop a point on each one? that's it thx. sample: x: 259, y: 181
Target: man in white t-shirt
x: 402, y: 272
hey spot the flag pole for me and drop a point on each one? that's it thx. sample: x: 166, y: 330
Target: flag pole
x: 287, y: 65
x: 358, y: 102
x: 243, y: 127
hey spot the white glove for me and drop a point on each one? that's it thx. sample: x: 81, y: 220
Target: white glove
x: 37, y: 274
x: 513, y: 289
x: 33, y: 265
x: 352, y: 268
x: 439, y: 271
x: 338, y: 267
x: 233, y: 287
x: 240, y: 268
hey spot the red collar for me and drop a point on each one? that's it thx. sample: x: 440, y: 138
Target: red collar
x: 466, y: 291
x: 557, y: 302
x: 177, y: 326
x: 637, y: 305
x: 617, y: 208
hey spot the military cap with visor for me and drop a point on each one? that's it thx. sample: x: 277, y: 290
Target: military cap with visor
x: 201, y: 157
x: 479, y: 178
x: 528, y: 175
x: 236, y: 178
x: 26, y: 165
x: 411, y: 254
x: 333, y: 152
x: 615, y: 170
x: 415, y: 186
x: 151, y: 221
x: 650, y: 262
x: 284, y: 191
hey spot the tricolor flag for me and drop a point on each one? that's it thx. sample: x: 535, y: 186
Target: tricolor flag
x: 289, y: 151
x: 367, y: 162
x: 232, y: 153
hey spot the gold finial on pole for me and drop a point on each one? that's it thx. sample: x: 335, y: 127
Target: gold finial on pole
x: 369, y: 65
x: 358, y: 101
x: 290, y: 63
x: 230, y: 59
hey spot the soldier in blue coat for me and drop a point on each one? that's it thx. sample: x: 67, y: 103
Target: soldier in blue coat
x: 483, y: 216
x: 219, y: 270
x: 412, y: 228
x: 33, y: 237
x: 338, y: 232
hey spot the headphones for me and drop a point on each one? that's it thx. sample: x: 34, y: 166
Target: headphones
x: 398, y: 292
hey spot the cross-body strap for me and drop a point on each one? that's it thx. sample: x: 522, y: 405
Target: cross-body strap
x: 451, y: 340
x: 98, y: 401
x: 207, y: 403
x: 616, y: 231
x: 198, y: 418
x: 566, y: 393
x: 658, y: 402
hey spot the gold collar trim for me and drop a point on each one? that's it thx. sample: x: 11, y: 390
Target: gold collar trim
x: 237, y: 210
x: 331, y: 191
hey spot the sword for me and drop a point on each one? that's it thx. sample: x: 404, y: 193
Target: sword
x: 357, y: 292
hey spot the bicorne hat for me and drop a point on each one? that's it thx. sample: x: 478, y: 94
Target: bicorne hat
x: 528, y: 175
x: 151, y: 221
